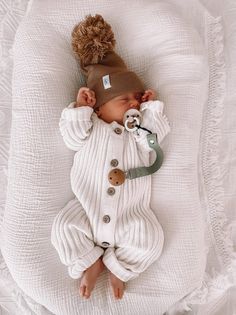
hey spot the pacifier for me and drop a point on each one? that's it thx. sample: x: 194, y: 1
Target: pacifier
x: 132, y: 119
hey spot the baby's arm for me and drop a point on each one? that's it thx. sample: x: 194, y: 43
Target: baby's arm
x: 75, y: 122
x: 153, y: 119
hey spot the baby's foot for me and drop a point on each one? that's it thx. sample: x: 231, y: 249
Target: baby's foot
x: 118, y: 286
x: 89, y: 278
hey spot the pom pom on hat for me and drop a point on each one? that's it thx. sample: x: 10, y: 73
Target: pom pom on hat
x: 92, y: 39
x: 93, y: 43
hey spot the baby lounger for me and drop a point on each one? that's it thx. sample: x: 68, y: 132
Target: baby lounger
x: 168, y: 55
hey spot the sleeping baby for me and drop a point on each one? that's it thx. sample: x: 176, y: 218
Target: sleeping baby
x: 109, y: 224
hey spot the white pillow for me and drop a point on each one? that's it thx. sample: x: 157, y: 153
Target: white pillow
x: 167, y: 53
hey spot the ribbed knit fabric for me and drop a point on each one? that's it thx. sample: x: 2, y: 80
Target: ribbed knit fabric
x: 133, y: 234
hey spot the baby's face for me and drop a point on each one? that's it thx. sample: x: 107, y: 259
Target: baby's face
x: 115, y: 109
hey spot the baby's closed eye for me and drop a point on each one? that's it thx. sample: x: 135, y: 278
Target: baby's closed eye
x: 138, y: 96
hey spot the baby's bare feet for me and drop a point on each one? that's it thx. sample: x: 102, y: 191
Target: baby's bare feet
x: 118, y: 286
x: 89, y: 278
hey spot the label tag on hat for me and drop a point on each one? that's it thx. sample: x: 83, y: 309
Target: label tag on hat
x: 106, y: 81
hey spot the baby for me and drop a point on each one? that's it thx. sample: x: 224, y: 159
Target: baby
x: 109, y: 223
x: 114, y: 109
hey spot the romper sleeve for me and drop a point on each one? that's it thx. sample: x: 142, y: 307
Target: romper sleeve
x: 75, y: 125
x: 154, y: 120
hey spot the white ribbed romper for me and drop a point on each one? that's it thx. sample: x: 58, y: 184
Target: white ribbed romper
x: 114, y: 221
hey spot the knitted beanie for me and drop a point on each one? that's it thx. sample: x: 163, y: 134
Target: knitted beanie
x: 106, y: 73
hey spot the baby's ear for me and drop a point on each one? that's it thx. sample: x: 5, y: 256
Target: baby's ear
x: 149, y: 95
x: 145, y: 97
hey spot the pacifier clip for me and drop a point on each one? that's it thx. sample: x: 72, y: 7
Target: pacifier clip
x: 132, y: 122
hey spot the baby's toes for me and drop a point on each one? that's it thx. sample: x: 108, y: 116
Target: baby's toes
x: 87, y: 292
x: 120, y: 292
x: 82, y: 290
x: 115, y: 292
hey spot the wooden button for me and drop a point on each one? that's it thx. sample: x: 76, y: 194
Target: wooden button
x: 106, y: 219
x: 118, y: 131
x: 114, y: 162
x: 111, y: 191
x: 105, y: 244
x: 116, y: 177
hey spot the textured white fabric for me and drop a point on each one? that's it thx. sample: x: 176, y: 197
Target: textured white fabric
x: 10, y: 17
x: 134, y: 236
x: 45, y: 78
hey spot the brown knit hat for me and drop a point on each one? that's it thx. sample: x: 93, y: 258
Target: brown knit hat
x: 107, y: 75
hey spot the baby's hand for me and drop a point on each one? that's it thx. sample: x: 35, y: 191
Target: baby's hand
x: 149, y: 95
x: 85, y: 97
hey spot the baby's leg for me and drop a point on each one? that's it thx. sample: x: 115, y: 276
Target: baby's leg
x: 134, y: 252
x: 72, y: 237
x: 89, y: 278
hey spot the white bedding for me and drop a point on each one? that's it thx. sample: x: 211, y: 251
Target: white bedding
x: 46, y: 79
x: 227, y: 158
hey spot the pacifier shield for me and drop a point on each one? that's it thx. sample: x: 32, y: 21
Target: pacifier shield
x: 132, y: 118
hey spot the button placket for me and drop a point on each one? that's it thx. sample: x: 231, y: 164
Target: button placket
x: 110, y: 194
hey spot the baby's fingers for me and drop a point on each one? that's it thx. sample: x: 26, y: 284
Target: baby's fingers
x: 91, y: 94
x: 92, y: 101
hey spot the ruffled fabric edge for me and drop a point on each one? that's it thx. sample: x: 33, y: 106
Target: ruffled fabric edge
x: 211, y: 176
